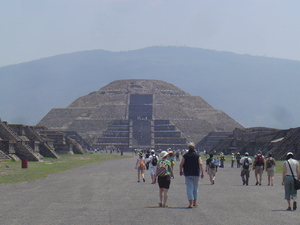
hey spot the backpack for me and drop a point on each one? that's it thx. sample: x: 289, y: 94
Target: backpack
x: 259, y: 160
x: 161, y: 169
x: 154, y: 160
x: 270, y: 162
x: 212, y: 164
x: 246, y: 163
x: 142, y: 164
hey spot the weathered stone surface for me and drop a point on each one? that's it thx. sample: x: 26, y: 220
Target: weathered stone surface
x: 127, y: 110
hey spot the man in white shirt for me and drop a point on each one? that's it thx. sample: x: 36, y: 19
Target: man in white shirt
x: 245, y: 163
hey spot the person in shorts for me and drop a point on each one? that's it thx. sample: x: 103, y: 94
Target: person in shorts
x: 270, y: 169
x: 140, y: 166
x: 211, y: 168
x: 258, y: 166
x: 163, y: 180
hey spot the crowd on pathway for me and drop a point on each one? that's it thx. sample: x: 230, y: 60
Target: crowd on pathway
x: 191, y: 166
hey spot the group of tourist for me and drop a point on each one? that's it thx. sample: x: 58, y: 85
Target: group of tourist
x: 161, y: 171
x: 191, y: 166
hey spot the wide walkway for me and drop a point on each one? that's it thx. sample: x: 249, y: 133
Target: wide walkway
x: 108, y: 193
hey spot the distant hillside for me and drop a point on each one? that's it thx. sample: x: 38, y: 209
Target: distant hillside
x: 255, y: 91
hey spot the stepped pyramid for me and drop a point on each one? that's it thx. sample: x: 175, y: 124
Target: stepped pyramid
x: 138, y: 113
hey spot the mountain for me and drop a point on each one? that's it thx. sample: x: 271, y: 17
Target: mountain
x: 254, y: 91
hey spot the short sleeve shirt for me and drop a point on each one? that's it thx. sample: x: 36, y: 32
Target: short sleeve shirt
x: 293, y: 164
x: 168, y: 163
x: 242, y: 161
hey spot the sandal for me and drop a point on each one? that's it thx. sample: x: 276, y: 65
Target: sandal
x: 165, y: 206
x: 289, y: 209
x: 190, y: 206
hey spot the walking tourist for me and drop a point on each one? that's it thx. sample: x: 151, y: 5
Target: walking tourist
x: 270, y: 169
x: 211, y: 168
x: 163, y: 174
x: 147, y: 159
x: 171, y: 158
x: 191, y: 166
x: 258, y: 166
x: 245, y: 163
x: 222, y: 160
x: 232, y: 160
x: 177, y: 156
x: 153, y: 159
x: 140, y: 166
x: 238, y: 158
x: 290, y: 170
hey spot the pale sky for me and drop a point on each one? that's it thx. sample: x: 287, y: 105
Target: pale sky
x: 34, y: 29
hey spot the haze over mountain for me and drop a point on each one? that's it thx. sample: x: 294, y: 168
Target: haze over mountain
x: 255, y: 91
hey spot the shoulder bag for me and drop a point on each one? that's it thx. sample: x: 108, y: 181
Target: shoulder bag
x: 296, y: 181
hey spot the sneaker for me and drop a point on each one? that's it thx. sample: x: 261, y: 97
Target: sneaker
x: 289, y: 209
x: 256, y: 183
x: 294, y: 205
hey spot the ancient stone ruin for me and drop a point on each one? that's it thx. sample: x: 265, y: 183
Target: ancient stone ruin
x: 33, y: 143
x: 269, y: 140
x: 130, y: 114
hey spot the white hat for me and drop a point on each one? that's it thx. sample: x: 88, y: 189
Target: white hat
x: 163, y: 154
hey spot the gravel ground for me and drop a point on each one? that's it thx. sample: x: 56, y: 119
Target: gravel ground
x: 108, y: 193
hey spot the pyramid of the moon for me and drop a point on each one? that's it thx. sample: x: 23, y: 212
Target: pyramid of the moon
x: 129, y: 114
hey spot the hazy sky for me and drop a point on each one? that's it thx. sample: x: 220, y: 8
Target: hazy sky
x: 33, y: 29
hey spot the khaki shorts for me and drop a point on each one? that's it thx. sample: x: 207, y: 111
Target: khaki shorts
x: 258, y: 170
x: 211, y: 172
x: 270, y: 172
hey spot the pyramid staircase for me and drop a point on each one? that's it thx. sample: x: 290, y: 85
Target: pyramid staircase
x: 155, y: 134
x: 21, y: 149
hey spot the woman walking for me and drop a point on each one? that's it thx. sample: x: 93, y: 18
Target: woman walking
x: 270, y: 169
x: 290, y: 169
x: 140, y: 166
x: 163, y: 174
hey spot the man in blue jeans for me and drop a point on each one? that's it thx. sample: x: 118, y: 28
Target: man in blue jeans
x: 191, y: 166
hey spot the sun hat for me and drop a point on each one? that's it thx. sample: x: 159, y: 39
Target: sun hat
x: 163, y: 154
